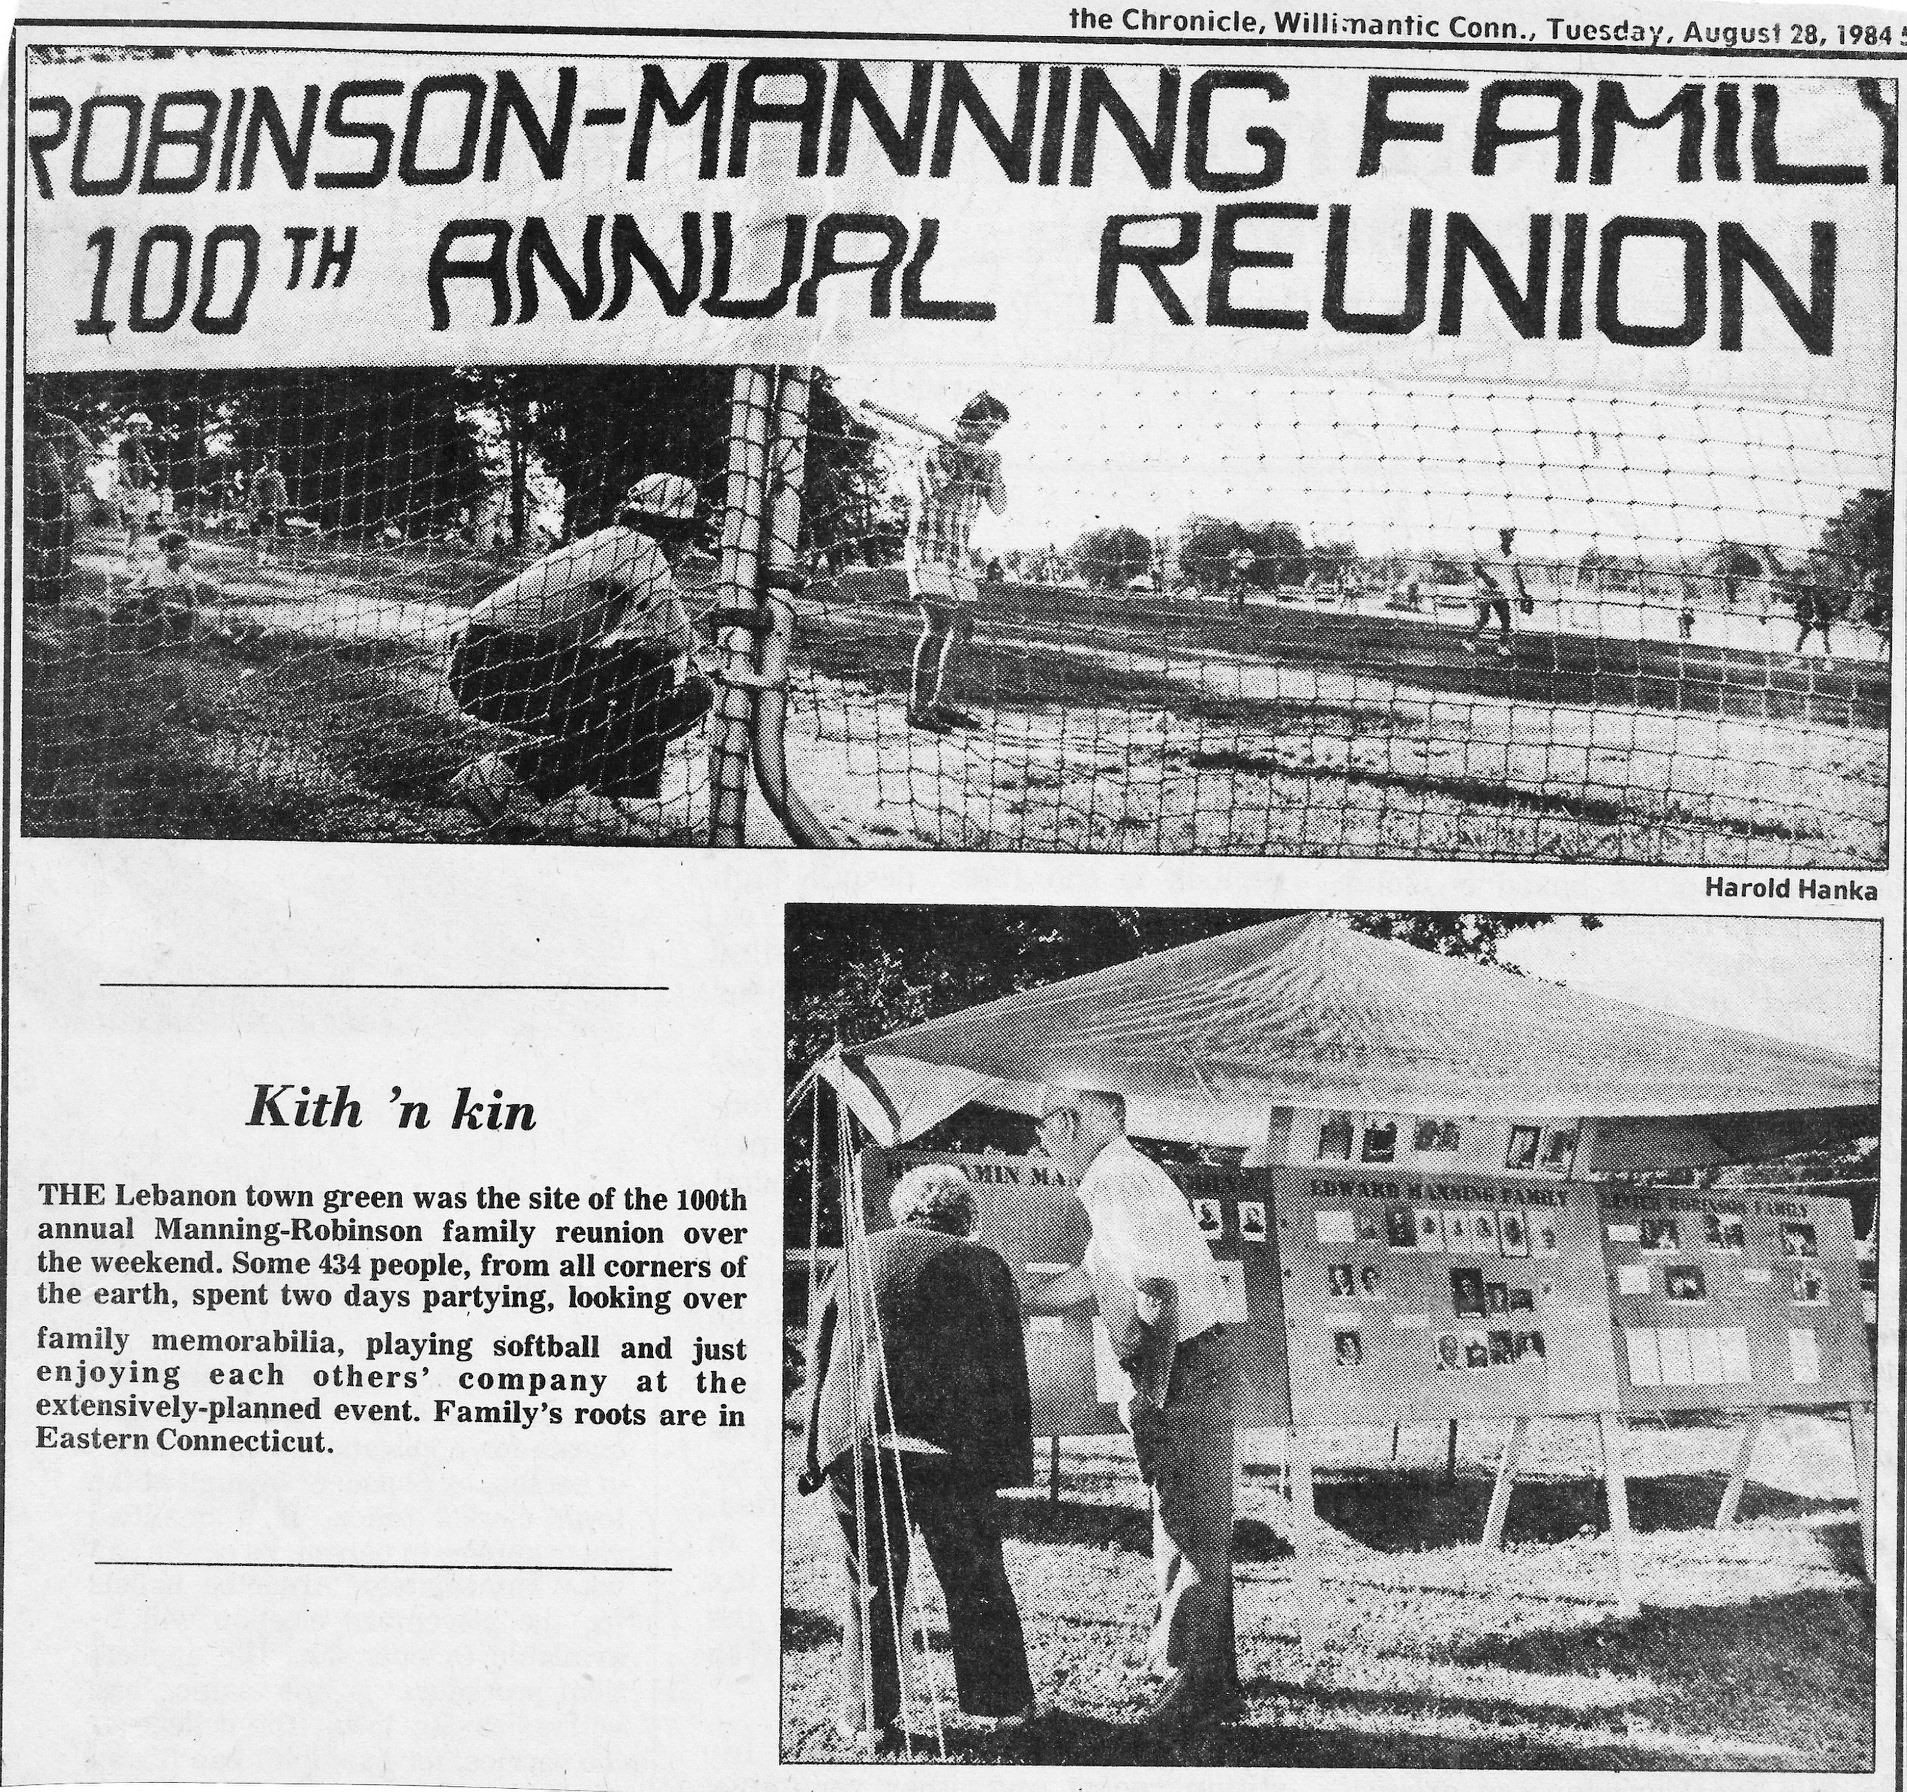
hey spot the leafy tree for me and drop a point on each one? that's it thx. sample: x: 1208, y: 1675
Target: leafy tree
x: 856, y: 972
x: 1277, y: 552
x: 1114, y: 556
x: 1206, y: 546
x: 1855, y: 544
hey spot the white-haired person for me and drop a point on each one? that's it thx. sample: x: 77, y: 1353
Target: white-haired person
x: 589, y: 652
x: 932, y: 1400
x: 1150, y: 1272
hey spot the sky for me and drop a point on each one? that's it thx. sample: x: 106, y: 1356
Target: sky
x: 1816, y: 982
x: 1392, y: 469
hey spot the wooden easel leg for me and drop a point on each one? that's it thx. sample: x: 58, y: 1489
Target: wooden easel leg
x: 1450, y: 1458
x: 1627, y: 1604
x: 1505, y: 1480
x: 1860, y: 1424
x: 1397, y: 1435
x: 1738, y: 1476
x: 1304, y: 1520
x: 1052, y: 1484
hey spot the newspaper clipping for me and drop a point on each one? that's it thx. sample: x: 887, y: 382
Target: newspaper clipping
x: 1325, y: 1200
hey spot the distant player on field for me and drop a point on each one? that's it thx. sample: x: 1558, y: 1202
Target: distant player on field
x: 136, y: 483
x: 588, y: 650
x: 266, y: 502
x: 955, y: 479
x: 1497, y: 579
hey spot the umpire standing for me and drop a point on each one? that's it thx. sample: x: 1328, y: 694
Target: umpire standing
x: 931, y: 1398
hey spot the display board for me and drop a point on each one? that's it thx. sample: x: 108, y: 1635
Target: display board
x: 1384, y: 1296
x: 1412, y: 1297
x: 1029, y: 1213
x: 1734, y: 1299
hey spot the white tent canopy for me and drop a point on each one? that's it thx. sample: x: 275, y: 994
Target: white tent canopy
x: 1206, y: 1041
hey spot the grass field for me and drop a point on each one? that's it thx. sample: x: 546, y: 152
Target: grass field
x: 314, y: 706
x: 1755, y: 1648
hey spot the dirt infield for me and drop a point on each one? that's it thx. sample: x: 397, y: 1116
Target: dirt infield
x: 313, y: 704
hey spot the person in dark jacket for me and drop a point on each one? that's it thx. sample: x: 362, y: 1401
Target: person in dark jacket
x: 930, y: 1401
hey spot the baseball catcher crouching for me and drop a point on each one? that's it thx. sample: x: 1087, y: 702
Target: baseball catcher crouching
x: 587, y: 651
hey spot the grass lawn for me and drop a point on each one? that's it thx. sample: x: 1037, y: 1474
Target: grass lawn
x: 1754, y: 1650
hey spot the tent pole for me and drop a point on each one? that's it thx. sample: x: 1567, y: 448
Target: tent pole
x: 1450, y: 1458
x: 1052, y: 1482
x: 1610, y: 1426
x: 1304, y: 1519
x: 1860, y: 1424
x: 1738, y: 1476
x: 1505, y: 1480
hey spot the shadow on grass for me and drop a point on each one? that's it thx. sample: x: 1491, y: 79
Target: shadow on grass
x: 1124, y: 1528
x: 1425, y: 1512
x: 803, y: 1632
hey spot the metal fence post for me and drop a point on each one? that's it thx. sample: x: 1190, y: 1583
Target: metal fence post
x: 729, y: 726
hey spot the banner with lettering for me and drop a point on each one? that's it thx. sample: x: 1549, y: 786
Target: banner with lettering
x: 1637, y: 233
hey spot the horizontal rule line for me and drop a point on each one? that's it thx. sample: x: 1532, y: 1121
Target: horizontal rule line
x: 439, y: 1567
x: 574, y: 988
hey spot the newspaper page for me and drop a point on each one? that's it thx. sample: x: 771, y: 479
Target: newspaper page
x: 1006, y: 886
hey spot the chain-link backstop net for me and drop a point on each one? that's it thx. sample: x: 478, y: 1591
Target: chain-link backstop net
x: 1224, y: 617
x: 1280, y: 619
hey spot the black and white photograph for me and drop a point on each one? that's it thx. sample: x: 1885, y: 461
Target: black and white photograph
x: 1007, y: 1090
x: 403, y: 545
x: 1724, y: 1234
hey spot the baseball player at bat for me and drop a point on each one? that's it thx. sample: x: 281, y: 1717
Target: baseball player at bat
x: 955, y: 479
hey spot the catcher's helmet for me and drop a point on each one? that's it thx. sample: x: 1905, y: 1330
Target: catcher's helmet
x: 665, y: 495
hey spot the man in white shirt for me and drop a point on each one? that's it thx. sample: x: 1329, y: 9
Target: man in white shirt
x: 1151, y: 1274
x: 584, y: 651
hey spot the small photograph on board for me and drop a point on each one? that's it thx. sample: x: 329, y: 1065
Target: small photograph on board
x: 1334, y: 1138
x: 1449, y: 1351
x: 1251, y: 1221
x: 1559, y: 1150
x: 1723, y: 1232
x: 1350, y: 1350
x: 1804, y: 1356
x: 1502, y: 1347
x: 1684, y: 1282
x: 1400, y: 1228
x: 1334, y: 1225
x: 1343, y: 1283
x: 1529, y: 1346
x: 1805, y: 1286
x: 1370, y: 1228
x: 1658, y: 1232
x: 1370, y: 1281
x: 1496, y: 1297
x: 1522, y: 1300
x: 1543, y: 1236
x: 1483, y: 1231
x: 1429, y: 1229
x: 1466, y: 1293
x: 1210, y: 1216
x: 1525, y: 1141
x: 1456, y: 1230
x: 1512, y: 1233
x: 1476, y: 1350
x: 1380, y: 1142
x: 1798, y: 1239
x: 1436, y: 1135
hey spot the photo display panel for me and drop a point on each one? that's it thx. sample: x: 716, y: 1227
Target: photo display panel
x: 1029, y: 1213
x: 1734, y: 1298
x: 1413, y: 1298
